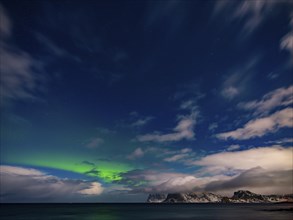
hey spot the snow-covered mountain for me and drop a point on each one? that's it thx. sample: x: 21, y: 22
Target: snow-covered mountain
x: 193, y: 198
x: 241, y: 196
x: 244, y: 196
x: 156, y: 198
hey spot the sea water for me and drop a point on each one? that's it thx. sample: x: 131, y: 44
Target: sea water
x: 145, y: 211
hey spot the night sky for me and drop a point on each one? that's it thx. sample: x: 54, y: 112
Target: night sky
x: 108, y: 101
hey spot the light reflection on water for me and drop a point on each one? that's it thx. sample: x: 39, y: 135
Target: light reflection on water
x: 146, y: 211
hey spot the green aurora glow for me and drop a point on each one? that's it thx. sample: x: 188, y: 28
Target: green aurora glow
x: 108, y: 171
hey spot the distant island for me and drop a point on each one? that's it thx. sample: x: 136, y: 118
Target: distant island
x: 241, y: 196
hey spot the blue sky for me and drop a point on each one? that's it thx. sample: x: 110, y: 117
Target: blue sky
x: 107, y: 101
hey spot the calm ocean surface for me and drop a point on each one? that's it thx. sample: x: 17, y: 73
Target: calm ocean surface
x: 146, y: 211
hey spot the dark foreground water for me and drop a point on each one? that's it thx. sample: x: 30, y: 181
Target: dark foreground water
x: 146, y: 211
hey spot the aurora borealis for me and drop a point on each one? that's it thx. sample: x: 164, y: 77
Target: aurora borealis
x: 108, y: 171
x: 108, y: 101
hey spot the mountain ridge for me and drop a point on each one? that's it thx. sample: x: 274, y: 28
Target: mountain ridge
x: 240, y: 196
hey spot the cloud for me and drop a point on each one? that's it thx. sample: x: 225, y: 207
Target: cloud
x: 189, y: 105
x: 55, y: 49
x: 149, y: 175
x: 176, y: 157
x: 252, y: 13
x: 282, y: 141
x: 20, y: 73
x: 183, y: 130
x: 94, y: 143
x: 135, y: 120
x: 261, y: 126
x: 233, y: 147
x: 269, y: 158
x: 287, y: 41
x: 19, y: 80
x: 142, y: 121
x: 137, y: 153
x: 150, y: 180
x: 184, y: 183
x: 256, y: 180
x: 279, y: 97
x: 262, y: 170
x: 236, y: 80
x: 177, y: 184
x: 19, y: 184
x: 163, y: 153
x: 5, y: 24
x: 20, y: 171
x: 273, y: 75
x: 50, y: 45
x: 213, y: 126
x: 186, y: 150
x: 168, y: 155
x: 230, y: 92
x: 94, y: 189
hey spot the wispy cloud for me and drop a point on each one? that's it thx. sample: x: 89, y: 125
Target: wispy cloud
x: 20, y: 184
x: 252, y: 13
x: 273, y: 75
x: 94, y: 143
x: 162, y: 153
x: 230, y: 92
x: 137, y: 153
x: 141, y: 121
x: 213, y: 126
x: 261, y: 126
x: 176, y: 157
x: 183, y: 130
x: 237, y: 79
x: 54, y: 49
x: 51, y: 46
x: 279, y: 97
x: 135, y: 120
x: 21, y: 74
x: 5, y: 24
x: 282, y: 141
x: 287, y: 41
x: 233, y: 147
